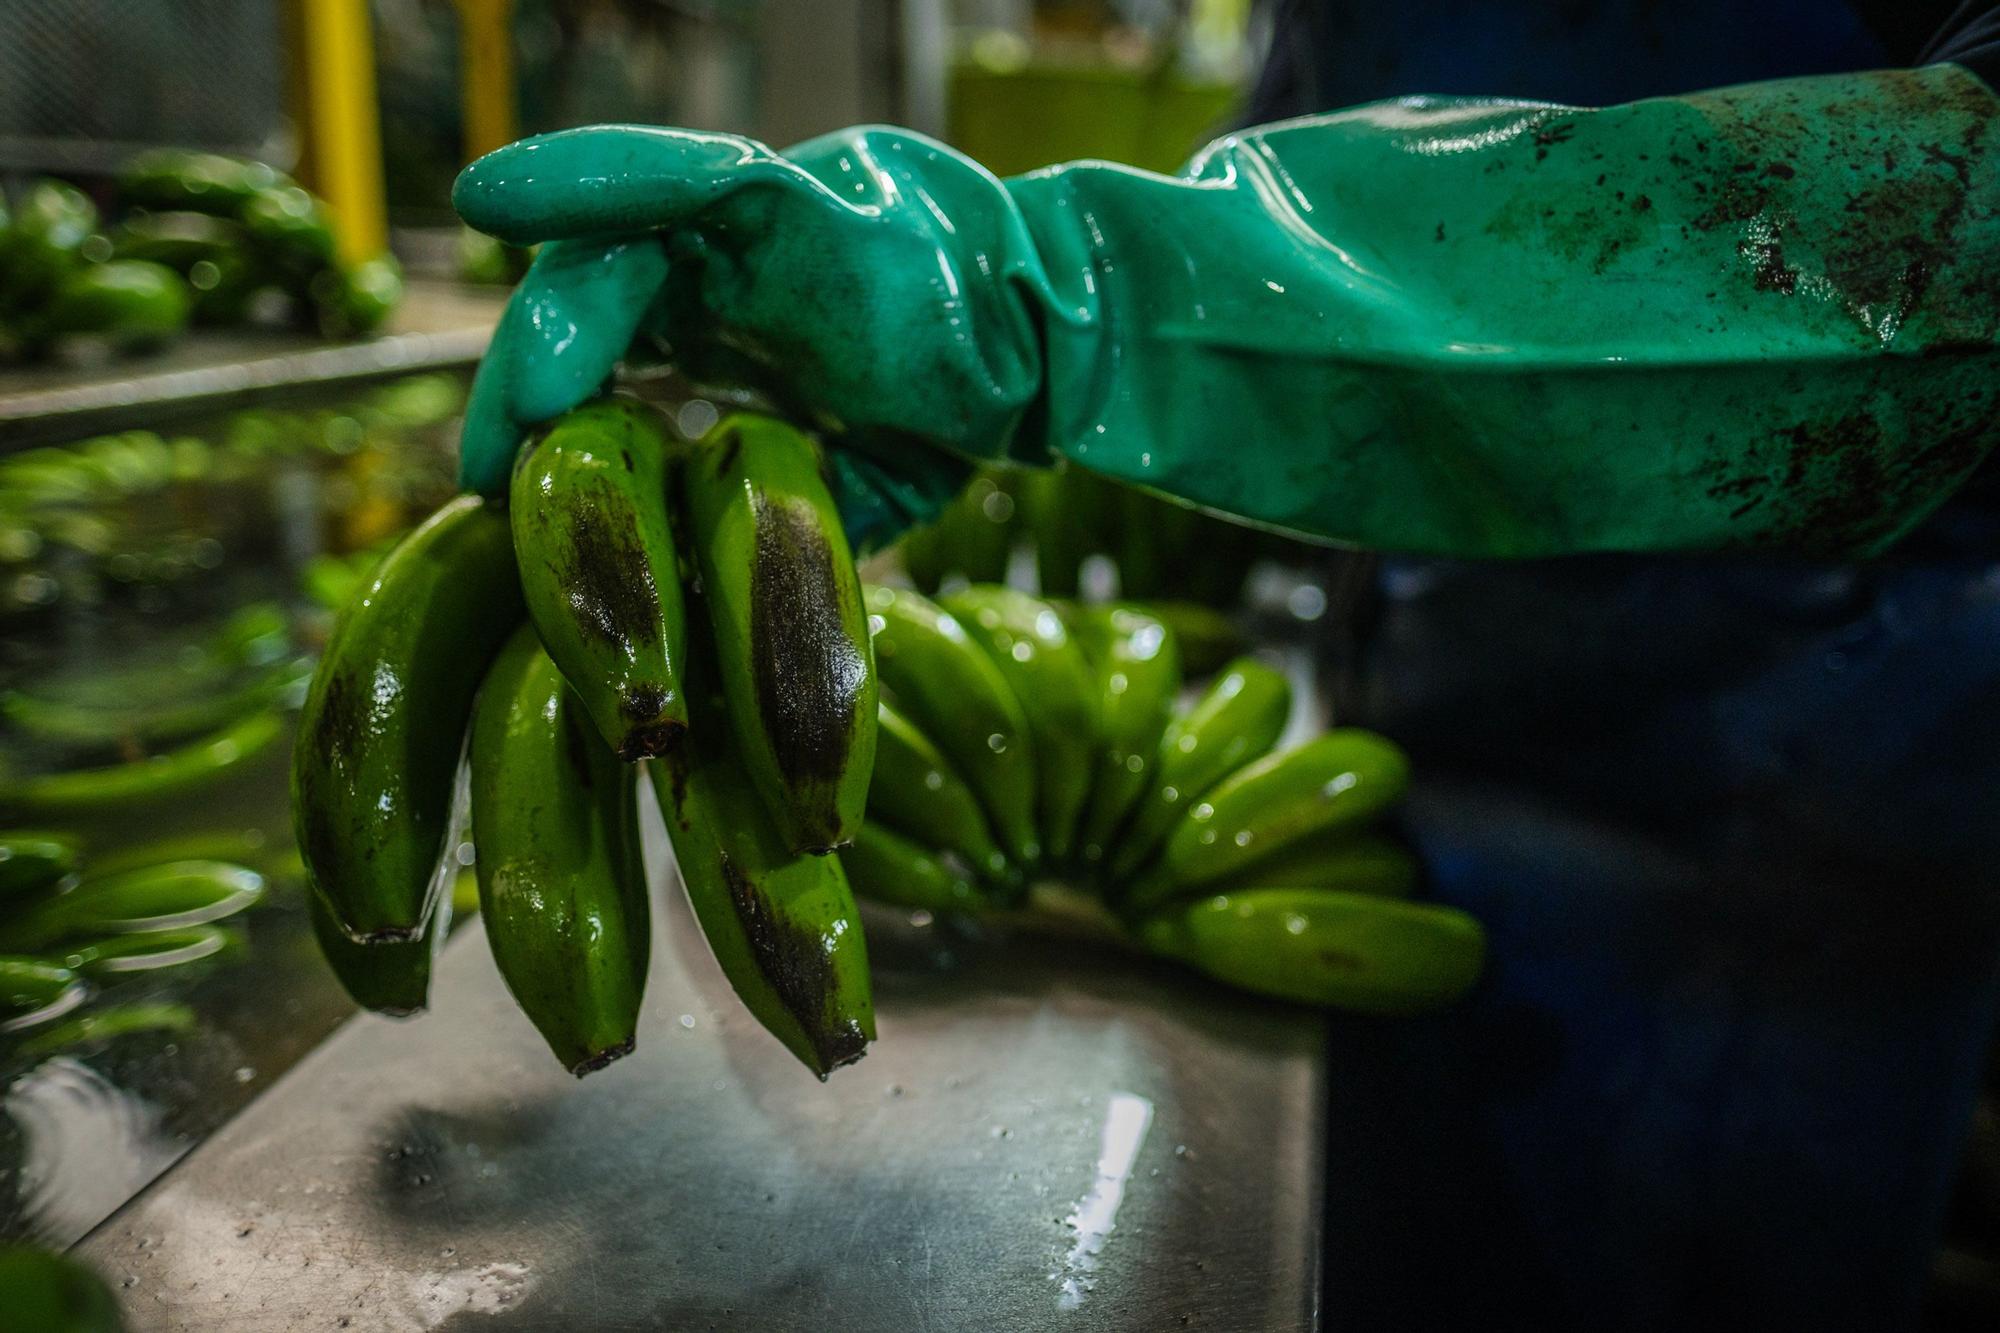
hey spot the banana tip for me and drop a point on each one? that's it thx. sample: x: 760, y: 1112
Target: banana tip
x: 652, y: 742
x: 592, y: 1064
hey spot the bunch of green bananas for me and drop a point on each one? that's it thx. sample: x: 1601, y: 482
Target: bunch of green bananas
x: 203, y: 236
x: 54, y: 281
x: 616, y: 538
x: 1024, y: 740
x: 64, y: 926
x: 233, y: 228
x: 1064, y: 516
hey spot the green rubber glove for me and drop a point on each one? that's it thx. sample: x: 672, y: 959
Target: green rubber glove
x: 1759, y: 316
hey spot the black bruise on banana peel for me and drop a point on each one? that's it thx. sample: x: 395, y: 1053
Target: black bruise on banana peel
x: 610, y: 586
x: 798, y: 969
x: 809, y: 679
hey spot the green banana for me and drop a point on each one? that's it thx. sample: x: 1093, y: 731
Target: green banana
x: 890, y: 868
x: 1066, y: 511
x: 44, y: 1292
x: 290, y: 227
x: 1138, y: 667
x: 246, y: 847
x: 1334, y: 782
x: 32, y: 860
x: 973, y: 537
x: 1239, y: 717
x: 163, y: 897
x: 223, y: 287
x: 1352, y: 862
x: 44, y: 244
x: 1208, y: 639
x: 133, y: 462
x: 1360, y: 952
x: 171, y: 774
x: 917, y: 791
x: 784, y: 927
x: 592, y: 537
x: 352, y: 301
x: 73, y: 724
x: 949, y: 688
x: 377, y: 757
x: 1049, y: 674
x: 167, y: 178
x: 178, y: 239
x: 130, y: 301
x: 34, y: 985
x: 562, y: 886
x: 103, y: 1025
x: 791, y: 634
x: 390, y: 976
x: 148, y: 950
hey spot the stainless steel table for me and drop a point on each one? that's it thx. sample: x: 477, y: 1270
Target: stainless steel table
x: 1046, y: 1136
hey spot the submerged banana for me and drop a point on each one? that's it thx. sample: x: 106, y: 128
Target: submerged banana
x: 588, y: 508
x: 562, y: 886
x: 384, y: 722
x: 791, y: 634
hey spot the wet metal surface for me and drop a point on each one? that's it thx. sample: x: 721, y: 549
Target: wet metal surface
x: 1045, y: 1136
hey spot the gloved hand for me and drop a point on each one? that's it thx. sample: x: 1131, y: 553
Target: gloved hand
x: 1753, y: 317
x: 870, y: 282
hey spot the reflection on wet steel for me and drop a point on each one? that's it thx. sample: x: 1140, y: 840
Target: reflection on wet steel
x: 86, y: 1146
x: 1096, y: 1215
x: 1021, y: 1100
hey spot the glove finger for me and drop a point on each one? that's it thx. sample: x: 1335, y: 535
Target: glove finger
x: 564, y: 331
x: 613, y: 178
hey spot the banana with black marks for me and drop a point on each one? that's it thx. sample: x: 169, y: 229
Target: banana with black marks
x: 1353, y: 951
x: 588, y: 508
x: 791, y: 633
x: 377, y: 757
x: 945, y: 684
x: 917, y: 792
x: 562, y: 886
x: 1138, y: 667
x: 1239, y: 717
x: 783, y: 926
x: 1332, y: 783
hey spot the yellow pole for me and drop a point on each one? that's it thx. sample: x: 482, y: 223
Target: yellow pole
x: 341, y: 157
x: 486, y: 74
